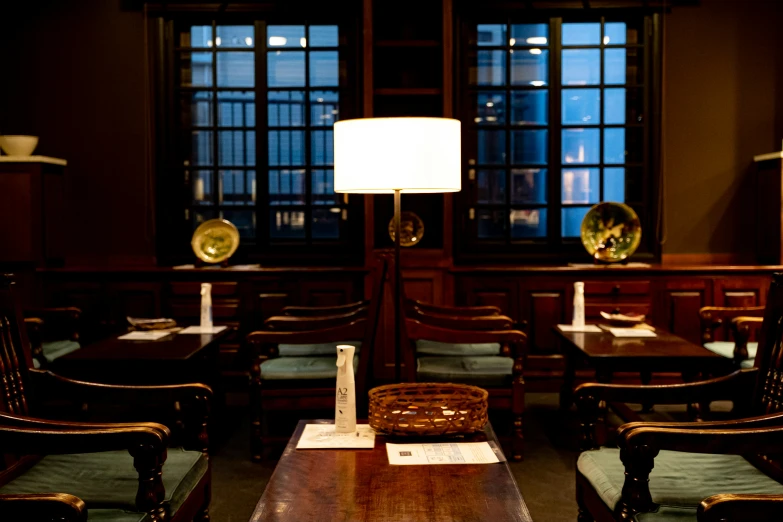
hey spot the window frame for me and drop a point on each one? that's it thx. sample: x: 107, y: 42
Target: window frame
x: 174, y: 192
x: 468, y: 248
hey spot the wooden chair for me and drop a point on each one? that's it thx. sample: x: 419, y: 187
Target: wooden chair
x: 53, y: 332
x: 54, y: 469
x: 706, y: 471
x: 719, y: 326
x: 490, y: 359
x: 296, y: 370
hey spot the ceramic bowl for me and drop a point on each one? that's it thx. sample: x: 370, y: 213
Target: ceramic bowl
x: 623, y: 319
x: 611, y: 232
x: 215, y: 240
x: 18, y: 145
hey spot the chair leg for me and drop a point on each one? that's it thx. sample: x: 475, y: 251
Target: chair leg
x: 584, y: 516
x: 256, y: 434
x: 517, y: 409
x: 203, y: 514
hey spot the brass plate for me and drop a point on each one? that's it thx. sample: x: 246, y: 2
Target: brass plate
x: 215, y: 240
x: 411, y: 229
x: 611, y: 232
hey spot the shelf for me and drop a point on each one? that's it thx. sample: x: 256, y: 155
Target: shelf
x: 404, y: 91
x: 407, y: 43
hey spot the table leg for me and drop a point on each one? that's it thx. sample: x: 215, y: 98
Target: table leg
x: 646, y: 378
x: 696, y: 411
x: 567, y: 389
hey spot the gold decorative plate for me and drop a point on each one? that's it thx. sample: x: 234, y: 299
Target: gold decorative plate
x: 611, y: 232
x: 215, y: 240
x: 411, y: 229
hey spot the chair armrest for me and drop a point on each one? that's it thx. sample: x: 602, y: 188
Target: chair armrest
x: 58, y: 322
x: 464, y: 311
x: 198, y: 396
x: 743, y: 327
x: 288, y: 323
x: 315, y: 311
x: 588, y: 396
x: 740, y: 508
x: 640, y: 445
x: 43, y: 507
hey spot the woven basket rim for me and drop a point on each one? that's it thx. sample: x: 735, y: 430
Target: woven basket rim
x: 468, y: 387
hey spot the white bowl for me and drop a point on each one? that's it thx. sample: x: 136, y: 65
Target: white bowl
x: 18, y: 145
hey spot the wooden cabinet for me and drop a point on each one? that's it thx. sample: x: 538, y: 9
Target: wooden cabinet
x: 678, y: 305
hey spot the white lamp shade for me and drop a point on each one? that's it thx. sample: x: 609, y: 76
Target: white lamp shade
x: 381, y: 155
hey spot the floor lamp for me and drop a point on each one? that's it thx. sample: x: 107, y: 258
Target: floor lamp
x: 392, y: 156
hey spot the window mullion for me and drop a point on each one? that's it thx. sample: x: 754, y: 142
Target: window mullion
x: 262, y: 135
x: 308, y: 210
x: 217, y: 192
x: 555, y: 134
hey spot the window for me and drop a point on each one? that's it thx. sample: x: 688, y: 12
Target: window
x: 555, y: 121
x: 255, y: 104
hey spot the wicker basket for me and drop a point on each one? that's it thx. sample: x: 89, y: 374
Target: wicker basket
x: 418, y: 409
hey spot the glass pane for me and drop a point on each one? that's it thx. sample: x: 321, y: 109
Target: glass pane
x: 528, y: 186
x: 286, y: 187
x: 614, y: 185
x: 582, y: 34
x: 614, y: 145
x: 322, y: 147
x: 528, y: 223
x: 634, y: 105
x: 614, y: 33
x: 322, y: 187
x: 238, y: 187
x: 634, y: 66
x: 195, y: 70
x: 529, y: 34
x: 582, y: 67
x: 323, y: 36
x: 494, y: 34
x: 529, y: 67
x: 572, y: 221
x: 634, y: 185
x: 285, y: 69
x: 529, y: 107
x: 614, y: 106
x: 244, y: 220
x: 196, y: 109
x: 491, y: 224
x: 581, y: 145
x: 235, y: 70
x: 614, y: 66
x: 326, y: 223
x: 491, y: 147
x: 286, y: 223
x: 491, y: 186
x: 237, y: 148
x: 324, y: 108
x: 634, y: 145
x: 196, y: 36
x: 236, y: 109
x: 324, y: 69
x: 286, y: 109
x: 490, y: 68
x: 582, y: 106
x: 581, y: 186
x: 286, y: 148
x: 490, y: 108
x: 199, y: 216
x: 286, y: 36
x: 529, y: 146
x: 202, y: 186
x: 235, y: 36
x: 201, y: 148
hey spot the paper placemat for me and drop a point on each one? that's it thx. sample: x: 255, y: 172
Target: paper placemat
x: 441, y: 453
x: 632, y: 332
x: 323, y: 436
x: 199, y: 330
x: 152, y: 335
x: 590, y: 328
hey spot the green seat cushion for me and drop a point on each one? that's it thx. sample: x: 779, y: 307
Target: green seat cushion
x: 437, y: 348
x: 55, y: 349
x: 487, y: 370
x: 108, y: 480
x: 286, y: 368
x: 679, y: 481
x: 309, y: 350
x: 726, y: 349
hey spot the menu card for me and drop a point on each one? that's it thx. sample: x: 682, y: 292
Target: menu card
x: 441, y: 453
x: 323, y: 436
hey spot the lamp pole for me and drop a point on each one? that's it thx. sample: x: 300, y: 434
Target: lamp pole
x: 399, y: 321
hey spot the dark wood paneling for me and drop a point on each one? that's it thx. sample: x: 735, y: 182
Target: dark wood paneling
x: 541, y: 306
x: 679, y: 305
x: 743, y: 291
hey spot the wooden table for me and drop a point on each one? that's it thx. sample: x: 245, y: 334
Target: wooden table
x: 608, y: 354
x: 174, y: 359
x: 361, y: 486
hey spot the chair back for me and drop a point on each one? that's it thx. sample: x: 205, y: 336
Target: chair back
x: 15, y: 356
x: 715, y: 321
